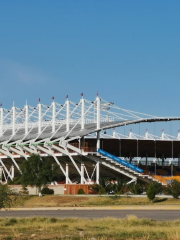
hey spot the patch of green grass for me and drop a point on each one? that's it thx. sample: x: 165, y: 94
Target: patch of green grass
x: 53, y: 220
x: 11, y: 222
x: 8, y: 237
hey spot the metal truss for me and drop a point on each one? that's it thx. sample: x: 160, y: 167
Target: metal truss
x: 49, y: 130
x: 5, y: 173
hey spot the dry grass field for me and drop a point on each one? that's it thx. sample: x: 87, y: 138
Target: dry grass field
x: 130, y: 228
x: 86, y: 201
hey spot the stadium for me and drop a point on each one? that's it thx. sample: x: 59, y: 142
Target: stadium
x: 83, y: 140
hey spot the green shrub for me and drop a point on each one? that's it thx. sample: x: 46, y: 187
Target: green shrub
x: 153, y: 189
x: 11, y: 222
x: 102, y: 190
x: 46, y: 190
x: 15, y: 181
x: 93, y: 189
x: 81, y: 191
x: 7, y: 196
x: 97, y: 189
x: 173, y: 189
x: 53, y: 220
x: 136, y: 188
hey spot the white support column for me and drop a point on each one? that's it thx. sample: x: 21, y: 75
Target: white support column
x: 12, y: 172
x: 13, y: 120
x: 6, y: 152
x: 66, y: 152
x: 146, y: 134
x: 98, y: 102
x: 82, y: 113
x: 1, y: 170
x: 1, y: 121
x: 53, y: 116
x: 67, y: 114
x: 114, y: 133
x: 130, y: 134
x: 51, y: 153
x: 82, y: 173
x: 39, y: 118
x: 67, y: 173
x: 98, y: 140
x: 5, y: 169
x: 178, y: 137
x: 26, y: 118
x: 162, y: 136
x: 97, y: 173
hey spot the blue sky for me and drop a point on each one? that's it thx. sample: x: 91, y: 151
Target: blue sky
x: 127, y: 50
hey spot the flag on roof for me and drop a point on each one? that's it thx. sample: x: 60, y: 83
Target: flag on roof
x: 1, y: 105
x: 81, y: 94
x: 66, y: 96
x: 53, y: 98
x: 97, y: 93
x: 39, y: 99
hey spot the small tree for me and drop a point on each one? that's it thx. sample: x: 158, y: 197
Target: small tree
x: 153, y: 189
x: 107, y: 185
x: 94, y: 189
x: 7, y: 196
x: 173, y: 189
x: 136, y: 188
x: 120, y: 186
x: 81, y: 191
x: 47, y: 190
x: 37, y: 171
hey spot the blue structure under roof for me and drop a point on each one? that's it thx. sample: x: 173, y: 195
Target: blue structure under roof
x: 119, y: 160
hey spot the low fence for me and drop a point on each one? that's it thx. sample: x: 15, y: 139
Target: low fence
x: 60, y: 189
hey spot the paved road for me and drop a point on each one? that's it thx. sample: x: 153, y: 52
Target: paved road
x: 151, y: 214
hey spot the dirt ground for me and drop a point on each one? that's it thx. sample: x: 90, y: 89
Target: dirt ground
x: 72, y: 201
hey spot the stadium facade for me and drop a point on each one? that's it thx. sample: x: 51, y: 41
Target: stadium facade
x: 75, y: 136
